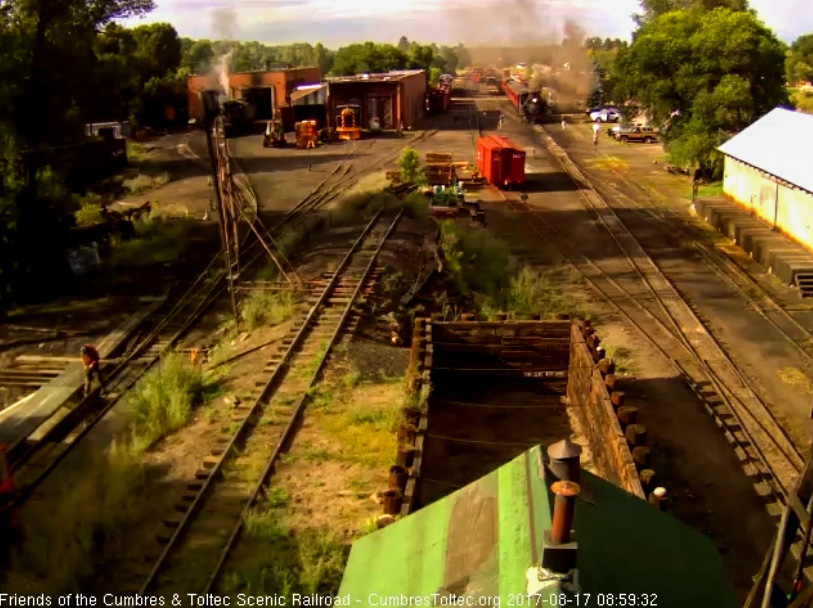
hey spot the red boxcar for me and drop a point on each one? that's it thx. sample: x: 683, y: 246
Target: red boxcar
x: 500, y: 161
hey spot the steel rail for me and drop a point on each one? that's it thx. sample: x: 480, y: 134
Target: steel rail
x: 291, y: 428
x: 259, y: 404
x: 788, y: 451
x: 778, y: 492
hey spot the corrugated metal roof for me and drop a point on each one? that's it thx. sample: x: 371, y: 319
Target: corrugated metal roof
x: 778, y: 143
x: 392, y: 76
x: 480, y: 542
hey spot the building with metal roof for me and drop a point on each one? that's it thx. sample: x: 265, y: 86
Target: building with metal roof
x: 767, y: 171
x: 509, y: 534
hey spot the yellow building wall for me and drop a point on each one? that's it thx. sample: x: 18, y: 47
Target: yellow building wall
x: 790, y: 210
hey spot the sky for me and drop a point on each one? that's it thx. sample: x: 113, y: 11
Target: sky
x: 338, y: 22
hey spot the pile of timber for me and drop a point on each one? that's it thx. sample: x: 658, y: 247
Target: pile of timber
x: 439, y: 170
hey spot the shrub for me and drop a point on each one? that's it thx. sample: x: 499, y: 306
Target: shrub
x: 410, y: 164
x: 161, y: 402
x: 267, y: 308
x: 91, y: 211
x: 476, y: 260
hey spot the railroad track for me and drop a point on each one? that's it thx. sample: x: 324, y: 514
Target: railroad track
x: 35, y: 457
x: 195, y: 548
x: 40, y: 453
x: 679, y: 231
x: 646, y: 297
x: 340, y: 178
x: 652, y: 303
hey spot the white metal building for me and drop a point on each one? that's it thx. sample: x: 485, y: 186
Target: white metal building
x: 768, y: 170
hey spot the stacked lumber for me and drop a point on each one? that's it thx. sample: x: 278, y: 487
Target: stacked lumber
x: 439, y: 170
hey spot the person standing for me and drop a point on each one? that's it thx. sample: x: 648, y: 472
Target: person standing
x: 564, y: 122
x: 91, y: 361
x: 596, y: 131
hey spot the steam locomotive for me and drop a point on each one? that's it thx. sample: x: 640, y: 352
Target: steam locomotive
x: 531, y: 105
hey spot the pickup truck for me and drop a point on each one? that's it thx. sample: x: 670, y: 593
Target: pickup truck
x: 644, y: 134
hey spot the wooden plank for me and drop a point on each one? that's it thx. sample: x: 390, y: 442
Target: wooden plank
x: 17, y: 424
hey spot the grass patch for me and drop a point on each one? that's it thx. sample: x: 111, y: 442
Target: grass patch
x: 144, y: 182
x: 264, y: 307
x: 370, y: 184
x: 547, y: 293
x: 796, y: 378
x: 59, y: 554
x: 706, y: 190
x: 609, y: 163
x: 351, y: 378
x: 157, y: 241
x: 621, y: 357
x: 364, y: 420
x: 308, y: 561
x: 162, y: 401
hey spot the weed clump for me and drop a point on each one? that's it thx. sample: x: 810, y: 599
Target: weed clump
x: 59, y: 554
x: 91, y: 210
x: 143, y: 182
x: 158, y: 241
x: 162, y: 401
x: 310, y: 561
x: 476, y: 261
x: 267, y: 308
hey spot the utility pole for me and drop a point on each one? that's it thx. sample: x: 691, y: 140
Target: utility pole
x: 211, y: 111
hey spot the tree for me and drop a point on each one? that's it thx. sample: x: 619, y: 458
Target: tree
x: 721, y: 70
x: 410, y: 164
x: 198, y: 57
x: 403, y: 44
x: 799, y: 63
x: 655, y: 8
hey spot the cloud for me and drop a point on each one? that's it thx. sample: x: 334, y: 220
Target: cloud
x: 338, y: 22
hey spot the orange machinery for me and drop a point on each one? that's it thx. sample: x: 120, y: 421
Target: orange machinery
x: 306, y: 134
x: 347, y: 123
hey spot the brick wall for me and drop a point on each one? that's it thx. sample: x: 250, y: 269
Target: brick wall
x: 596, y: 408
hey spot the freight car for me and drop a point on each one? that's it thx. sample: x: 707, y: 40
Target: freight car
x: 438, y: 100
x: 529, y: 104
x: 500, y: 161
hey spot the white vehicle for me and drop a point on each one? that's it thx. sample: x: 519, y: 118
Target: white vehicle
x: 605, y: 115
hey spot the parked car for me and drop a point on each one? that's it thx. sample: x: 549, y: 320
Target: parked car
x: 644, y: 134
x: 605, y: 115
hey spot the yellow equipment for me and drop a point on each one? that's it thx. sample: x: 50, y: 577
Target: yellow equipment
x: 274, y: 134
x: 306, y: 134
x: 347, y: 124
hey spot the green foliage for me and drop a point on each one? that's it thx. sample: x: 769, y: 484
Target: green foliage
x: 652, y: 9
x: 803, y: 100
x: 410, y: 164
x: 799, y: 61
x: 416, y: 205
x: 157, y: 242
x: 311, y: 561
x: 162, y: 400
x: 369, y: 57
x: 60, y: 553
x: 91, y: 210
x: 722, y: 69
x: 267, y: 308
x: 434, y: 76
x: 476, y: 261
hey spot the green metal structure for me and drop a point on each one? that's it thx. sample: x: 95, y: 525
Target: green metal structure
x: 481, y: 542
